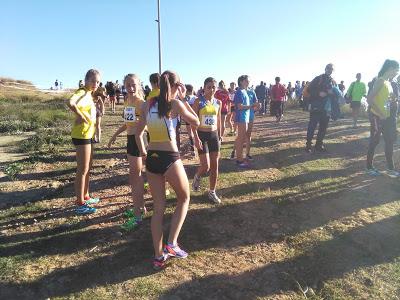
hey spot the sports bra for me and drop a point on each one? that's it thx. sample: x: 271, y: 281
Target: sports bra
x: 160, y: 129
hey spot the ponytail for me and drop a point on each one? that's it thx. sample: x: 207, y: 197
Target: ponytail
x: 389, y: 63
x: 167, y: 80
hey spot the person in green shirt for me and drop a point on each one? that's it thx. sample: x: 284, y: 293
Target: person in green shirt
x: 356, y: 92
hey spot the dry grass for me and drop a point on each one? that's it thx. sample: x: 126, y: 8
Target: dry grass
x: 295, y: 226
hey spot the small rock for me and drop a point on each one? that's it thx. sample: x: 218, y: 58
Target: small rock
x: 34, y: 220
x: 119, y: 233
x: 274, y: 226
x: 368, y: 282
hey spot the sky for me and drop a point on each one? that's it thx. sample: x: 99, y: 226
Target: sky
x: 44, y: 40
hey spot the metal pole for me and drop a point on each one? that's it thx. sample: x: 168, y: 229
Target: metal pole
x: 159, y: 37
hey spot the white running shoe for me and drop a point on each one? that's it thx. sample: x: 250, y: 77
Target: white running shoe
x: 392, y: 173
x: 213, y: 197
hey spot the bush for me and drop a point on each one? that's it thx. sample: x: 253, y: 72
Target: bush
x: 45, y: 139
x: 12, y: 126
x: 13, y: 169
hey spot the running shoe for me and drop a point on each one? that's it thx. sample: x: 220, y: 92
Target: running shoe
x: 392, y: 173
x: 242, y: 164
x: 160, y: 263
x: 90, y: 200
x: 213, y: 197
x: 132, y: 224
x: 373, y: 172
x: 249, y: 157
x: 308, y: 149
x: 175, y: 251
x: 84, y: 209
x: 232, y: 154
x: 196, y: 183
x: 320, y: 148
x: 129, y: 213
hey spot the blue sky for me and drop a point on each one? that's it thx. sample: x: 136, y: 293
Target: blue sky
x: 46, y: 40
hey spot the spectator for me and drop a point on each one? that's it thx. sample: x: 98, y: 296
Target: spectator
x: 321, y: 90
x: 261, y: 93
x: 341, y: 86
x: 355, y: 93
x: 278, y: 93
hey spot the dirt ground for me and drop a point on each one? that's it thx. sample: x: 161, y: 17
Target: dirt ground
x: 293, y: 226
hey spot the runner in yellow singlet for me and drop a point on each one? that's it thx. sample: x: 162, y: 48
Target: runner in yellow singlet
x: 82, y: 105
x: 208, y: 137
x: 382, y: 115
x: 132, y: 111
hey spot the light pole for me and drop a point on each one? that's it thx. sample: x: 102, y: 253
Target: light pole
x: 159, y: 37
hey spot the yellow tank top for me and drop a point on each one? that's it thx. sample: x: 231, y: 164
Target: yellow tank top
x: 84, y: 102
x: 131, y: 114
x: 208, y: 113
x: 382, y: 100
x: 160, y: 129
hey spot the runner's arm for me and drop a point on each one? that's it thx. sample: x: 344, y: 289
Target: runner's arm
x: 140, y: 126
x: 121, y: 129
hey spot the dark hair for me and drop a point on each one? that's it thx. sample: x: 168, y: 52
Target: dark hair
x: 277, y: 79
x: 389, y: 63
x: 241, y: 78
x: 167, y: 80
x: 91, y: 73
x: 189, y: 88
x: 155, y: 78
x: 208, y: 80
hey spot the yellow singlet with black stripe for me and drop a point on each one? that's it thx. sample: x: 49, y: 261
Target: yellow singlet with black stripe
x: 160, y: 129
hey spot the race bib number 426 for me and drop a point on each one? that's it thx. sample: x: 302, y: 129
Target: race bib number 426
x: 208, y: 121
x: 129, y: 114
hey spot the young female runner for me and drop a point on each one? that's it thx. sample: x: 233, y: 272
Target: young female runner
x: 132, y: 111
x: 207, y: 137
x: 82, y: 134
x: 164, y: 164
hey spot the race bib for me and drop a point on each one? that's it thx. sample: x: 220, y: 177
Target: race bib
x: 209, y: 121
x: 129, y: 114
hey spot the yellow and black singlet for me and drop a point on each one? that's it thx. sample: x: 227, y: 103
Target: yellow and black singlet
x: 160, y: 129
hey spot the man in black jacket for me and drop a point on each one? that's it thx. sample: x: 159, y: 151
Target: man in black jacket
x: 320, y: 90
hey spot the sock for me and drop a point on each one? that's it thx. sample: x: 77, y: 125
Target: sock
x: 212, y: 191
x: 86, y: 197
x: 171, y: 245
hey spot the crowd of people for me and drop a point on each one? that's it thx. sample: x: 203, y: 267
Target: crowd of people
x: 153, y: 117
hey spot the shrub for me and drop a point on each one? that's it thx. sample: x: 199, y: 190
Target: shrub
x: 13, y: 169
